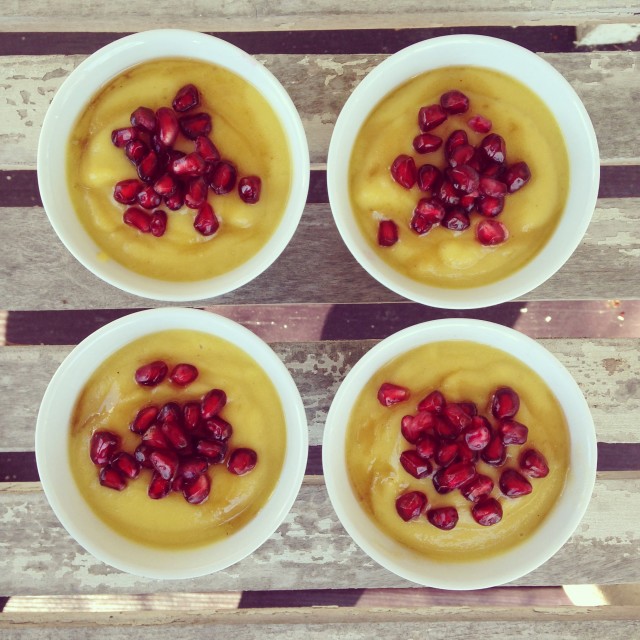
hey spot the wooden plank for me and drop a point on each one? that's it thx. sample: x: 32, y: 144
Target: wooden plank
x: 310, y: 550
x: 604, y: 266
x: 319, y: 85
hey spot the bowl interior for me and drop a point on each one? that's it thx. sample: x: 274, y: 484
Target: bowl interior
x: 52, y: 451
x: 539, y: 76
x: 75, y: 93
x: 553, y: 532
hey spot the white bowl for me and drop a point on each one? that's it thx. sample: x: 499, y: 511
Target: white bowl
x: 519, y: 560
x: 540, y: 77
x: 71, y: 99
x: 52, y: 450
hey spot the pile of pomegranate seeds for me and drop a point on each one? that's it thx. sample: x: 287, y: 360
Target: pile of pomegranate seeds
x: 167, y: 175
x: 178, y: 443
x: 476, y: 178
x: 450, y: 439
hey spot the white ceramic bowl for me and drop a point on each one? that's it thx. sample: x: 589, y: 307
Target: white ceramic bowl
x: 71, y: 99
x: 552, y: 533
x: 539, y: 76
x: 52, y: 450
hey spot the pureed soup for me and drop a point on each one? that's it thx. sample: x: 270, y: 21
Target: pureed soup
x: 113, y: 399
x: 246, y: 133
x: 423, y: 248
x: 400, y: 428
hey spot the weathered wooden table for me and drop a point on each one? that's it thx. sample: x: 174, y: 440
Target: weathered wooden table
x: 321, y: 312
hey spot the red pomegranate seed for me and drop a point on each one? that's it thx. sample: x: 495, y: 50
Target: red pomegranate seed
x: 158, y: 487
x: 170, y: 412
x: 411, y: 504
x: 413, y: 429
x: 430, y: 117
x: 390, y: 394
x: 454, y: 102
x: 456, y: 219
x: 186, y: 98
x: 460, y: 155
x: 242, y: 461
x: 457, y: 474
x: 477, y: 489
x: 465, y: 454
x: 221, y: 177
x: 505, y: 403
x: 176, y: 436
x: 112, y: 479
x: 457, y: 415
x: 480, y: 124
x: 446, y: 430
x: 495, y: 453
x: 516, y: 176
x: 197, y: 492
x: 165, y: 185
x: 404, y: 172
x: 534, y: 464
x: 207, y: 149
x: 433, y: 402
x: 176, y: 201
x: 414, y: 465
x: 492, y: 169
x: 457, y: 138
x: 206, y: 223
x: 489, y: 206
x: 469, y: 408
x: 148, y: 198
x: 158, y: 223
x: 126, y: 464
x: 478, y: 434
x: 218, y: 429
x: 438, y: 485
x: 135, y: 150
x: 491, y: 232
x: 192, y: 164
x: 429, y: 177
x: 138, y: 219
x: 198, y: 124
x: 212, y: 403
x: 154, y: 438
x: 191, y: 468
x: 493, y: 147
x: 148, y: 167
x: 183, y: 374
x: 420, y: 224
x: 151, y: 374
x: 468, y: 202
x: 464, y: 178
x: 512, y: 432
x: 387, y: 233
x: 249, y: 189
x: 514, y: 484
x: 487, y: 512
x: 430, y: 211
x: 191, y: 415
x: 445, y: 518
x: 178, y: 483
x: 427, y: 143
x: 102, y: 446
x: 165, y: 463
x: 144, y: 419
x: 167, y: 126
x: 126, y: 191
x: 426, y: 447
x: 492, y: 187
x: 144, y: 118
x: 446, y: 453
x: 120, y: 137
x: 142, y: 453
x: 213, y: 450
x: 447, y: 194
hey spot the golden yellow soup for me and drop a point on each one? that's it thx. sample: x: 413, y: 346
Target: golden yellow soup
x: 462, y: 371
x: 445, y: 258
x: 111, y: 399
x: 245, y: 130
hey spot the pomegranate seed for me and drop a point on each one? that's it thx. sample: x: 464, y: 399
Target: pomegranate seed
x: 112, y: 479
x: 427, y: 143
x: 170, y: 412
x: 186, y: 98
x: 456, y: 414
x: 191, y: 415
x: 144, y: 419
x: 492, y: 169
x: 148, y: 167
x: 446, y: 453
x: 178, y: 483
x: 213, y: 451
x: 165, y: 185
x: 390, y: 394
x: 192, y: 164
x: 420, y: 224
x: 155, y: 438
x: 467, y: 202
x: 433, y: 402
x: 464, y: 178
x: 447, y: 194
x: 514, y: 484
x: 149, y: 375
x: 142, y: 453
x: 456, y: 219
x: 465, y: 454
x: 413, y: 429
x: 534, y: 464
x: 207, y: 149
x: 177, y: 438
x: 198, y: 124
x: 489, y: 206
x: 447, y: 430
x: 138, y: 219
x: 429, y: 177
x: 516, y: 176
x: 148, y: 198
x: 221, y: 177
x: 197, y: 491
x: 387, y: 233
x: 126, y: 464
x: 478, y: 434
x: 183, y: 374
x: 165, y: 463
x: 176, y: 201
x: 495, y: 453
x: 480, y: 124
x: 438, y: 485
x: 126, y: 191
x: 193, y: 467
x: 492, y: 187
x: 411, y: 504
x: 102, y: 446
x: 415, y: 465
x: 218, y: 429
x: 456, y: 139
x: 477, y: 161
x: 249, y: 189
x: 430, y: 117
x: 493, y: 147
x: 445, y: 518
x: 135, y: 150
x: 462, y: 154
x: 457, y: 474
x: 505, y: 403
x: 158, y: 487
x: 158, y: 223
x: 206, y: 223
x: 144, y: 118
x: 428, y: 212
x: 512, y: 432
x: 167, y: 126
x: 212, y: 403
x: 487, y: 512
x: 403, y: 171
x: 491, y: 232
x: 477, y: 489
x: 120, y: 137
x: 469, y: 408
x: 426, y: 447
x: 454, y: 102
x: 242, y: 461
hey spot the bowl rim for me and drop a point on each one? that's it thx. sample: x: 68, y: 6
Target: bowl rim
x: 77, y: 517
x: 401, y: 66
x: 552, y: 533
x: 102, y: 66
